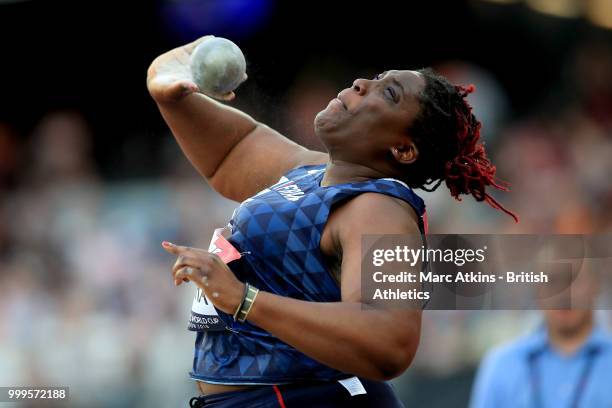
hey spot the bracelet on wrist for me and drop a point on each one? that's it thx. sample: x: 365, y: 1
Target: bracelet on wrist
x: 244, y: 295
x: 247, y: 304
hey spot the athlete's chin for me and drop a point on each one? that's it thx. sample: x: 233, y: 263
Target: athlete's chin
x: 326, y: 122
x: 333, y: 131
x: 323, y: 132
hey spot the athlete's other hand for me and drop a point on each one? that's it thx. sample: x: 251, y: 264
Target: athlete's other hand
x: 169, y: 76
x: 209, y: 273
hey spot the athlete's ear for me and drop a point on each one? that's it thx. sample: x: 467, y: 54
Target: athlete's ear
x: 406, y: 153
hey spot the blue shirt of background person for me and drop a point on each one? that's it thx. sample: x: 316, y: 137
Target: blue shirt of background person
x: 559, y: 366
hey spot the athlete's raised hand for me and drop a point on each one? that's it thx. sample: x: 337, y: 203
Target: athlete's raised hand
x: 169, y: 76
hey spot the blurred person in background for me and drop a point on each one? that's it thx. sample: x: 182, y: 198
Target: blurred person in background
x: 564, y: 363
x: 307, y: 330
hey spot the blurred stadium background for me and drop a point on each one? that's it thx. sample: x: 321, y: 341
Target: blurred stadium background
x: 91, y: 181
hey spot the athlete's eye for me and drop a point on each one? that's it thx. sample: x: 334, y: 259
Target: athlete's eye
x: 391, y: 93
x: 377, y: 77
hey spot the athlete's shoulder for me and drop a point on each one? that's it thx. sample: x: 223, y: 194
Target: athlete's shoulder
x: 376, y: 213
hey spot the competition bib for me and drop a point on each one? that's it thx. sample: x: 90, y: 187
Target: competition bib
x: 204, y: 316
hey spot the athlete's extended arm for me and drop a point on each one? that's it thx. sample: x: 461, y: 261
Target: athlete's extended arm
x: 376, y: 344
x: 237, y: 155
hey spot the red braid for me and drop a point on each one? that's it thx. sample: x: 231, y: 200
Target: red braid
x: 470, y: 172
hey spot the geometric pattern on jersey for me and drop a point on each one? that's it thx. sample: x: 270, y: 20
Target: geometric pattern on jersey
x: 280, y: 230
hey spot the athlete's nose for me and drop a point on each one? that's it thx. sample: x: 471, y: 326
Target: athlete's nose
x: 360, y: 86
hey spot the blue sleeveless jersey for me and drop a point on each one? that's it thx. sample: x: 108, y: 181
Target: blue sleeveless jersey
x: 280, y: 230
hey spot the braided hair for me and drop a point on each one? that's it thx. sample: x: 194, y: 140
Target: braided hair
x: 447, y: 136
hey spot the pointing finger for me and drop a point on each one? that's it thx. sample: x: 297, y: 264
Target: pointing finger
x: 170, y: 247
x: 174, y: 249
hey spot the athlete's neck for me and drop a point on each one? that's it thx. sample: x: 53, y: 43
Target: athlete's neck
x: 338, y: 172
x: 567, y: 342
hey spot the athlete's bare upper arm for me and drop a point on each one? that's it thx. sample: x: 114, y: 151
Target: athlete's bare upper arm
x: 258, y: 161
x: 368, y: 213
